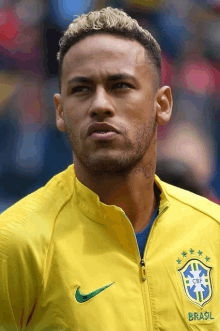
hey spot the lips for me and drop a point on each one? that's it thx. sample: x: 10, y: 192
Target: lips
x: 101, y: 127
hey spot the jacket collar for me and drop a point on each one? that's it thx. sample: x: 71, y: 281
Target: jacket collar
x: 164, y: 198
x: 90, y: 204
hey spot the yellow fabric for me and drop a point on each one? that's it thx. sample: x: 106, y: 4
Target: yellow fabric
x: 62, y: 237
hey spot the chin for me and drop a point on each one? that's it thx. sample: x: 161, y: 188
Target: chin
x: 109, y: 166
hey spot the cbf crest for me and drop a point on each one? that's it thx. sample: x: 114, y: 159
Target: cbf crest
x: 196, y: 279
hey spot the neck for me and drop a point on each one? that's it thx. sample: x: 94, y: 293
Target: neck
x: 133, y: 192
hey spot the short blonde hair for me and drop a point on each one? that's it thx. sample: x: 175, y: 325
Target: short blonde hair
x: 113, y: 21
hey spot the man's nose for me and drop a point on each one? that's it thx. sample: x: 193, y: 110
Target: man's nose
x: 101, y: 104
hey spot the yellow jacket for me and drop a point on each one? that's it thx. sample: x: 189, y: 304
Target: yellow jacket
x: 70, y: 262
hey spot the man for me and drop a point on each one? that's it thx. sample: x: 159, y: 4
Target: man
x: 75, y: 255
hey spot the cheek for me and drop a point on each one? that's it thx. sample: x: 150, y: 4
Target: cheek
x: 75, y: 125
x: 139, y: 115
x: 140, y: 106
x: 72, y: 124
x: 76, y: 109
x: 72, y: 114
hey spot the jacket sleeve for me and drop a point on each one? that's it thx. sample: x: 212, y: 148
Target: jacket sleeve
x: 20, y: 271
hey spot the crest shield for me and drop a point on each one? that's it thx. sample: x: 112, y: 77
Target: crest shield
x: 196, y: 281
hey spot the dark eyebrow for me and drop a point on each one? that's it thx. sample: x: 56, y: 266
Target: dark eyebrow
x: 79, y: 79
x: 88, y: 80
x: 120, y: 77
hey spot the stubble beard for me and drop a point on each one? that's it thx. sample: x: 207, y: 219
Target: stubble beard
x: 130, y: 156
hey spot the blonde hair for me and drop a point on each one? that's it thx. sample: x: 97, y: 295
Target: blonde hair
x: 113, y: 21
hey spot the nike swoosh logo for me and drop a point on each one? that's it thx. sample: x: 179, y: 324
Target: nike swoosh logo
x: 85, y: 297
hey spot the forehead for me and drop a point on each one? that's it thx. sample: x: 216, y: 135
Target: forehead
x: 101, y: 53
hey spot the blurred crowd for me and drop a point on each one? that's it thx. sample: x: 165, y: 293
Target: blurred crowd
x: 31, y: 147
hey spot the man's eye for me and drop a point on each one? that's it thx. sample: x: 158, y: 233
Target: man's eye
x: 121, y: 86
x: 80, y: 89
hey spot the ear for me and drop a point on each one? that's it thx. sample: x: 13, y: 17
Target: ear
x: 59, y: 112
x: 164, y: 105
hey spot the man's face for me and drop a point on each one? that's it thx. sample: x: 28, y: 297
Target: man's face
x: 108, y: 80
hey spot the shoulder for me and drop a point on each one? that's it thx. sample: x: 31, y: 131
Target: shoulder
x: 32, y: 218
x: 197, y: 204
x: 26, y: 233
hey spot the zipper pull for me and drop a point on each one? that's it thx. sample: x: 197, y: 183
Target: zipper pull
x: 143, y: 270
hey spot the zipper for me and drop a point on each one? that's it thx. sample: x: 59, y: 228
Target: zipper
x: 149, y: 312
x: 142, y: 263
x: 143, y: 270
x: 148, y: 315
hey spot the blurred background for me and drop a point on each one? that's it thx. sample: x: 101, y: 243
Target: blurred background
x: 32, y: 150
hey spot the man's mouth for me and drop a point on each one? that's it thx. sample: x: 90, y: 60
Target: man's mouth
x: 102, y: 131
x: 103, y: 135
